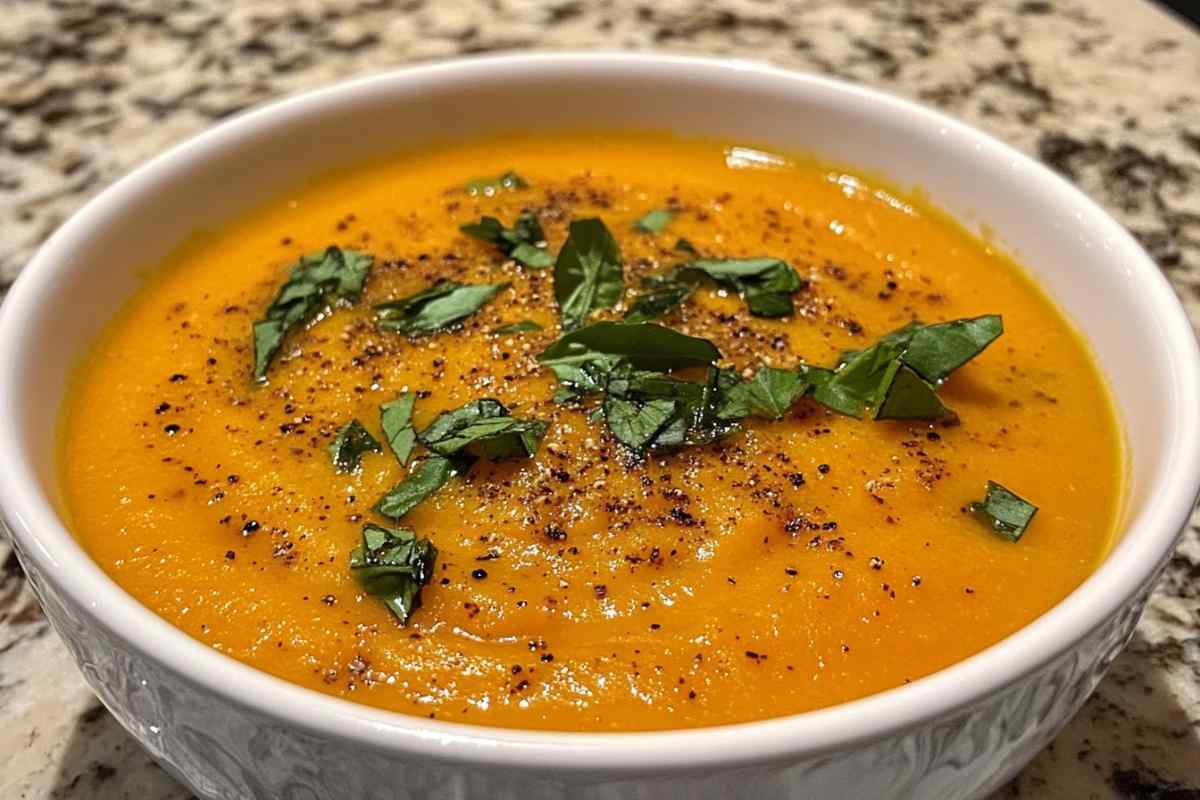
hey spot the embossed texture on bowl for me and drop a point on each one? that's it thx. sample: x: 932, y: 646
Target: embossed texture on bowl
x: 232, y: 732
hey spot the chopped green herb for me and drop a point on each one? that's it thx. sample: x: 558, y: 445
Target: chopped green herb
x: 486, y: 424
x: 910, y: 397
x: 765, y: 284
x: 646, y: 409
x: 393, y: 565
x: 1008, y: 514
x: 898, y: 376
x: 315, y: 279
x: 684, y: 246
x: 396, y: 420
x: 508, y: 180
x: 662, y: 297
x: 425, y: 479
x: 348, y: 447
x: 587, y: 274
x: 655, y: 221
x: 524, y: 326
x: 934, y: 351
x: 862, y: 381
x: 436, y: 308
x: 582, y: 359
x: 770, y: 393
x: 636, y: 425
x: 522, y: 242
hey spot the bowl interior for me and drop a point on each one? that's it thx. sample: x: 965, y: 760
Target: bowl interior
x: 1103, y: 281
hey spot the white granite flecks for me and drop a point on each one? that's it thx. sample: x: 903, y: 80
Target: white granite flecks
x: 1106, y: 91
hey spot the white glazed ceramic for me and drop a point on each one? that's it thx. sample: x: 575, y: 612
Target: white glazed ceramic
x: 232, y: 732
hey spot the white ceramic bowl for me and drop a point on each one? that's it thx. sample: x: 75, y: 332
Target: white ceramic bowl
x: 233, y: 732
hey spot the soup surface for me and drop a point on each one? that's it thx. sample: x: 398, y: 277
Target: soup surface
x: 790, y: 564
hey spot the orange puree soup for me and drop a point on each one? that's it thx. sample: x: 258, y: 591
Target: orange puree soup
x: 786, y: 565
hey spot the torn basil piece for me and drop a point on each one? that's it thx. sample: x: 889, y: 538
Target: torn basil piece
x: 861, y: 382
x: 348, y: 446
x: 661, y: 298
x: 522, y: 242
x: 765, y: 284
x: 935, y: 351
x: 436, y: 308
x: 484, y: 425
x: 315, y: 280
x: 393, y: 565
x: 489, y: 186
x: 425, y: 479
x: 644, y: 345
x: 1007, y: 513
x: 587, y: 273
x: 684, y: 246
x: 524, y: 326
x: 909, y: 396
x: 769, y: 394
x: 396, y: 420
x: 634, y: 424
x: 655, y: 221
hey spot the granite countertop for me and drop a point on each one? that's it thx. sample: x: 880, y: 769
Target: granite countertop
x: 1105, y: 91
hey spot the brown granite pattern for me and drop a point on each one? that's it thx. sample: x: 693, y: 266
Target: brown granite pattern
x: 1106, y: 91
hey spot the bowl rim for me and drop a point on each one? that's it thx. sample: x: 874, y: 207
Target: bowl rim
x: 43, y: 540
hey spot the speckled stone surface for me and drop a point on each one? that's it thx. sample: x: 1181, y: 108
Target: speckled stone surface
x: 1106, y: 91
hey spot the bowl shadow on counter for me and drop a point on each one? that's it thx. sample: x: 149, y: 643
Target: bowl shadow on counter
x: 1123, y: 743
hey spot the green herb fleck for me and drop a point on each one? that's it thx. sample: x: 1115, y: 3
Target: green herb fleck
x: 655, y: 221
x: 909, y: 396
x: 349, y: 445
x: 934, y: 351
x: 522, y: 242
x: 524, y: 326
x: 489, y: 186
x: 396, y: 420
x: 663, y: 295
x: 315, y: 279
x: 425, y: 479
x: 770, y: 393
x: 684, y: 246
x: 765, y: 284
x: 439, y: 307
x: 485, y: 424
x: 1008, y: 514
x: 582, y: 359
x: 393, y: 565
x: 587, y: 274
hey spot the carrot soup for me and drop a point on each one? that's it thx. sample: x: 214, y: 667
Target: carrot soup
x: 593, y: 432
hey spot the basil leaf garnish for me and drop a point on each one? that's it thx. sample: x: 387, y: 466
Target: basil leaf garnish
x: 655, y: 221
x: 521, y: 242
x: 587, y: 274
x: 487, y: 425
x: 645, y: 345
x: 1008, y: 514
x: 315, y: 279
x: 663, y: 296
x: 396, y: 420
x: 646, y: 409
x: 524, y: 326
x: 684, y: 246
x: 770, y: 393
x: 637, y: 424
x: 348, y: 446
x: 436, y: 308
x: 935, y: 351
x: 765, y: 284
x: 898, y: 376
x: 909, y: 396
x: 489, y: 186
x: 425, y: 479
x: 393, y: 565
